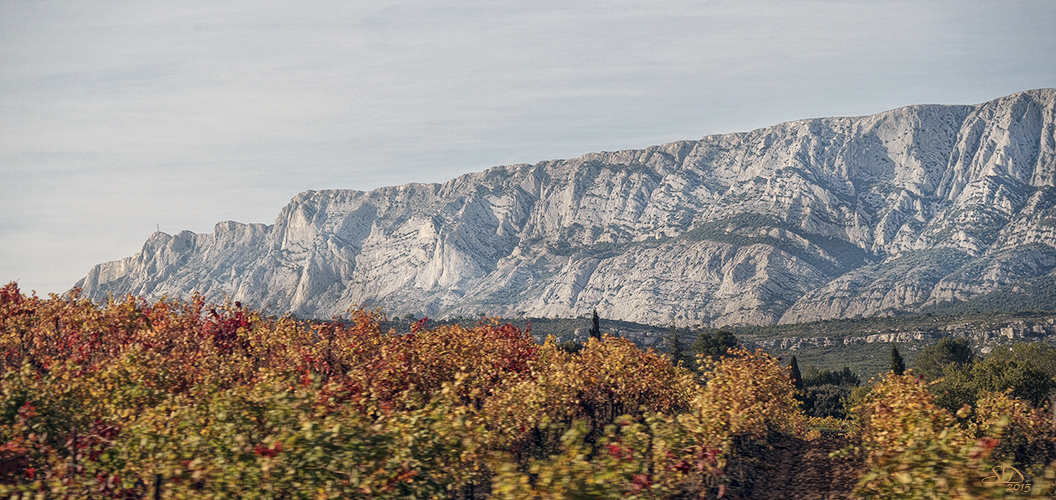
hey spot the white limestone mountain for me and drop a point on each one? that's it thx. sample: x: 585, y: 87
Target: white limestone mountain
x: 823, y: 218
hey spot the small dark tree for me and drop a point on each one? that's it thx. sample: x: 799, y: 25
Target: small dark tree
x: 714, y: 344
x: 897, y: 364
x: 571, y: 346
x: 679, y: 355
x: 795, y: 375
x: 595, y: 328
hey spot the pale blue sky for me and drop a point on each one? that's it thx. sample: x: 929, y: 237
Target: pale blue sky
x: 116, y: 117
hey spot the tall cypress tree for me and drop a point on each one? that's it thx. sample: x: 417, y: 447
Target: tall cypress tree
x: 795, y: 375
x: 897, y: 365
x: 678, y: 350
x: 595, y: 328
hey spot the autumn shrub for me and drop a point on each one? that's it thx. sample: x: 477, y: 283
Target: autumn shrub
x: 664, y: 455
x: 917, y: 449
x: 607, y: 378
x: 284, y: 438
x: 1026, y: 435
x: 421, y: 361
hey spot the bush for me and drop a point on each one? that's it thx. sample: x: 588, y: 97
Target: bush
x: 916, y: 449
x: 913, y: 448
x: 1027, y: 435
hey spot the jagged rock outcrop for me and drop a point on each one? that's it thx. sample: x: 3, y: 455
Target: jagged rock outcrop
x: 814, y: 219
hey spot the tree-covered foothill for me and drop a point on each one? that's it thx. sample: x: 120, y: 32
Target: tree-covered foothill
x: 173, y: 399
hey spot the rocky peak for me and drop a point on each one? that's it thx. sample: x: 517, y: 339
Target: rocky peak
x: 917, y: 207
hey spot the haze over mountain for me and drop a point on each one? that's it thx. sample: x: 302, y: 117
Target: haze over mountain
x: 913, y: 208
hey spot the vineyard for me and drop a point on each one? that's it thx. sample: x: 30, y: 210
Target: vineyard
x: 176, y: 399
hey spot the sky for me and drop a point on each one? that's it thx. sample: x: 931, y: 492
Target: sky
x: 118, y: 118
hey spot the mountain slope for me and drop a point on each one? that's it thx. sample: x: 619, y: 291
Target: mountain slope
x: 806, y: 220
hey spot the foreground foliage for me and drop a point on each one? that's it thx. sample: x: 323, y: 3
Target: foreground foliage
x: 917, y: 449
x: 173, y: 399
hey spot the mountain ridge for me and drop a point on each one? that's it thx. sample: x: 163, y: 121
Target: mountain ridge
x: 807, y: 220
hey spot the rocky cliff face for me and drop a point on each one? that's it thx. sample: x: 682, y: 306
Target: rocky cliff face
x: 825, y: 218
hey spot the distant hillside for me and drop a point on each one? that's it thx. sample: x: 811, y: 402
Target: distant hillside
x: 862, y: 344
